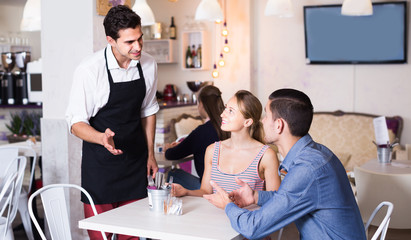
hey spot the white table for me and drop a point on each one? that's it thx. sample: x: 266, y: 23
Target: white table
x: 23, y: 152
x: 162, y: 162
x: 200, y: 220
x: 395, y: 167
x: 377, y: 182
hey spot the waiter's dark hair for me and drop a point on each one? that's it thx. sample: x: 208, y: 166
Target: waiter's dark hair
x: 118, y: 18
x: 294, y: 107
x: 213, y: 104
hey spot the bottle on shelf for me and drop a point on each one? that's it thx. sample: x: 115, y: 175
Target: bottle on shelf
x: 173, y: 29
x: 194, y: 56
x: 197, y: 63
x: 189, y: 58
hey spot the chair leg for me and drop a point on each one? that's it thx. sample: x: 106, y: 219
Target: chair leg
x: 24, y: 214
x: 280, y: 233
x: 9, y: 234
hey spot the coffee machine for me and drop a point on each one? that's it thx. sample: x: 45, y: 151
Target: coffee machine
x: 8, y: 60
x: 20, y: 87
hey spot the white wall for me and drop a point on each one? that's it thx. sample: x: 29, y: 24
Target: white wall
x: 236, y: 74
x: 10, y: 18
x: 66, y: 38
x: 279, y: 61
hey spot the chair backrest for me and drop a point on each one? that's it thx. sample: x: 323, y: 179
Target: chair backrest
x: 7, y: 155
x: 185, y: 124
x: 13, y: 151
x: 383, y: 227
x: 56, y: 210
x: 5, y: 204
x: 373, y: 188
x: 11, y: 189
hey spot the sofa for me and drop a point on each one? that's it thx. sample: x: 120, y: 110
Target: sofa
x: 349, y: 135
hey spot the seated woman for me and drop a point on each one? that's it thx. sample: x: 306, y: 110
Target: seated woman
x: 210, y: 106
x: 243, y: 155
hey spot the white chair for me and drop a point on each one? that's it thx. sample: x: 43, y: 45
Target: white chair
x: 182, y: 127
x: 374, y: 186
x: 11, y: 183
x: 6, y: 232
x: 383, y: 227
x: 23, y: 199
x: 56, y: 210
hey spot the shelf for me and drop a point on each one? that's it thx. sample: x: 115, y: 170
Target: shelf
x: 163, y: 50
x: 28, y: 106
x: 195, y: 38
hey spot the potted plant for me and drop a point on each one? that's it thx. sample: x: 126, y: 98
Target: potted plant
x: 24, y: 125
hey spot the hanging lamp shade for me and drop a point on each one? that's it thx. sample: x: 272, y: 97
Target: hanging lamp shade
x: 144, y: 11
x: 356, y: 8
x: 280, y: 8
x: 209, y: 10
x: 31, y: 20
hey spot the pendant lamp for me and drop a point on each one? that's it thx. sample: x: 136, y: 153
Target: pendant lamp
x: 356, y: 8
x: 280, y: 8
x: 31, y: 20
x: 144, y: 11
x: 209, y: 10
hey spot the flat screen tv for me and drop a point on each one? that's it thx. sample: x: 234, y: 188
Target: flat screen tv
x: 331, y: 38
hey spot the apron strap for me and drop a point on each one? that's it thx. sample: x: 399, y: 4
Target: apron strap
x: 110, y: 79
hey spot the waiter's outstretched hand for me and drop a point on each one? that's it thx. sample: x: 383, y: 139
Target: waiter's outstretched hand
x: 108, y: 142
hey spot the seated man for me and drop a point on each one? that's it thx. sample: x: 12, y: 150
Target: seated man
x: 315, y: 192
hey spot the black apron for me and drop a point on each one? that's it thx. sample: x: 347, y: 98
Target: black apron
x: 109, y: 178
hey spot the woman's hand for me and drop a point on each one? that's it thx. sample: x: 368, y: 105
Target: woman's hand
x: 220, y: 199
x: 170, y: 145
x: 177, y: 190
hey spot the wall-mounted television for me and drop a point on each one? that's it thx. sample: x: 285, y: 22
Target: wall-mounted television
x: 331, y: 38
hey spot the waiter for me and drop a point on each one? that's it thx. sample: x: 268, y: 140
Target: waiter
x: 112, y: 109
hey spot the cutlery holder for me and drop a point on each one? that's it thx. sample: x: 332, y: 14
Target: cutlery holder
x: 156, y: 199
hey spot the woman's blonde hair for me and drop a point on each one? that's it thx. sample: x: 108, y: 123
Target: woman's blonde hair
x: 250, y: 107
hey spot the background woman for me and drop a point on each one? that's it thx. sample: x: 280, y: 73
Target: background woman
x: 210, y: 105
x: 243, y: 155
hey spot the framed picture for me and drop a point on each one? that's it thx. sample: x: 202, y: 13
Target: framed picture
x: 103, y: 6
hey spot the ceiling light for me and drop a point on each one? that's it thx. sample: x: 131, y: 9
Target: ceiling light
x: 144, y: 11
x: 356, y: 8
x: 280, y: 8
x: 31, y: 20
x: 209, y: 10
x: 215, y: 73
x: 226, y: 48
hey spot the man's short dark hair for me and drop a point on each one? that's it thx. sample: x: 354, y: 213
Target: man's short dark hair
x: 294, y: 107
x: 118, y: 18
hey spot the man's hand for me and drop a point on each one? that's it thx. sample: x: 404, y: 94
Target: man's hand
x: 243, y: 196
x: 108, y: 142
x: 152, y: 167
x: 220, y: 199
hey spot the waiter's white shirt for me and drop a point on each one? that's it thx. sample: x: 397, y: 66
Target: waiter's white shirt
x: 91, y: 88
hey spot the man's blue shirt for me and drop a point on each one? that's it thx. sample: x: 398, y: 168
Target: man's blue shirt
x: 315, y: 194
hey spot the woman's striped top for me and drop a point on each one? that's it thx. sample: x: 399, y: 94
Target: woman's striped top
x: 249, y: 175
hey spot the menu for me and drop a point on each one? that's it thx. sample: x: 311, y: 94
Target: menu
x: 381, y: 130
